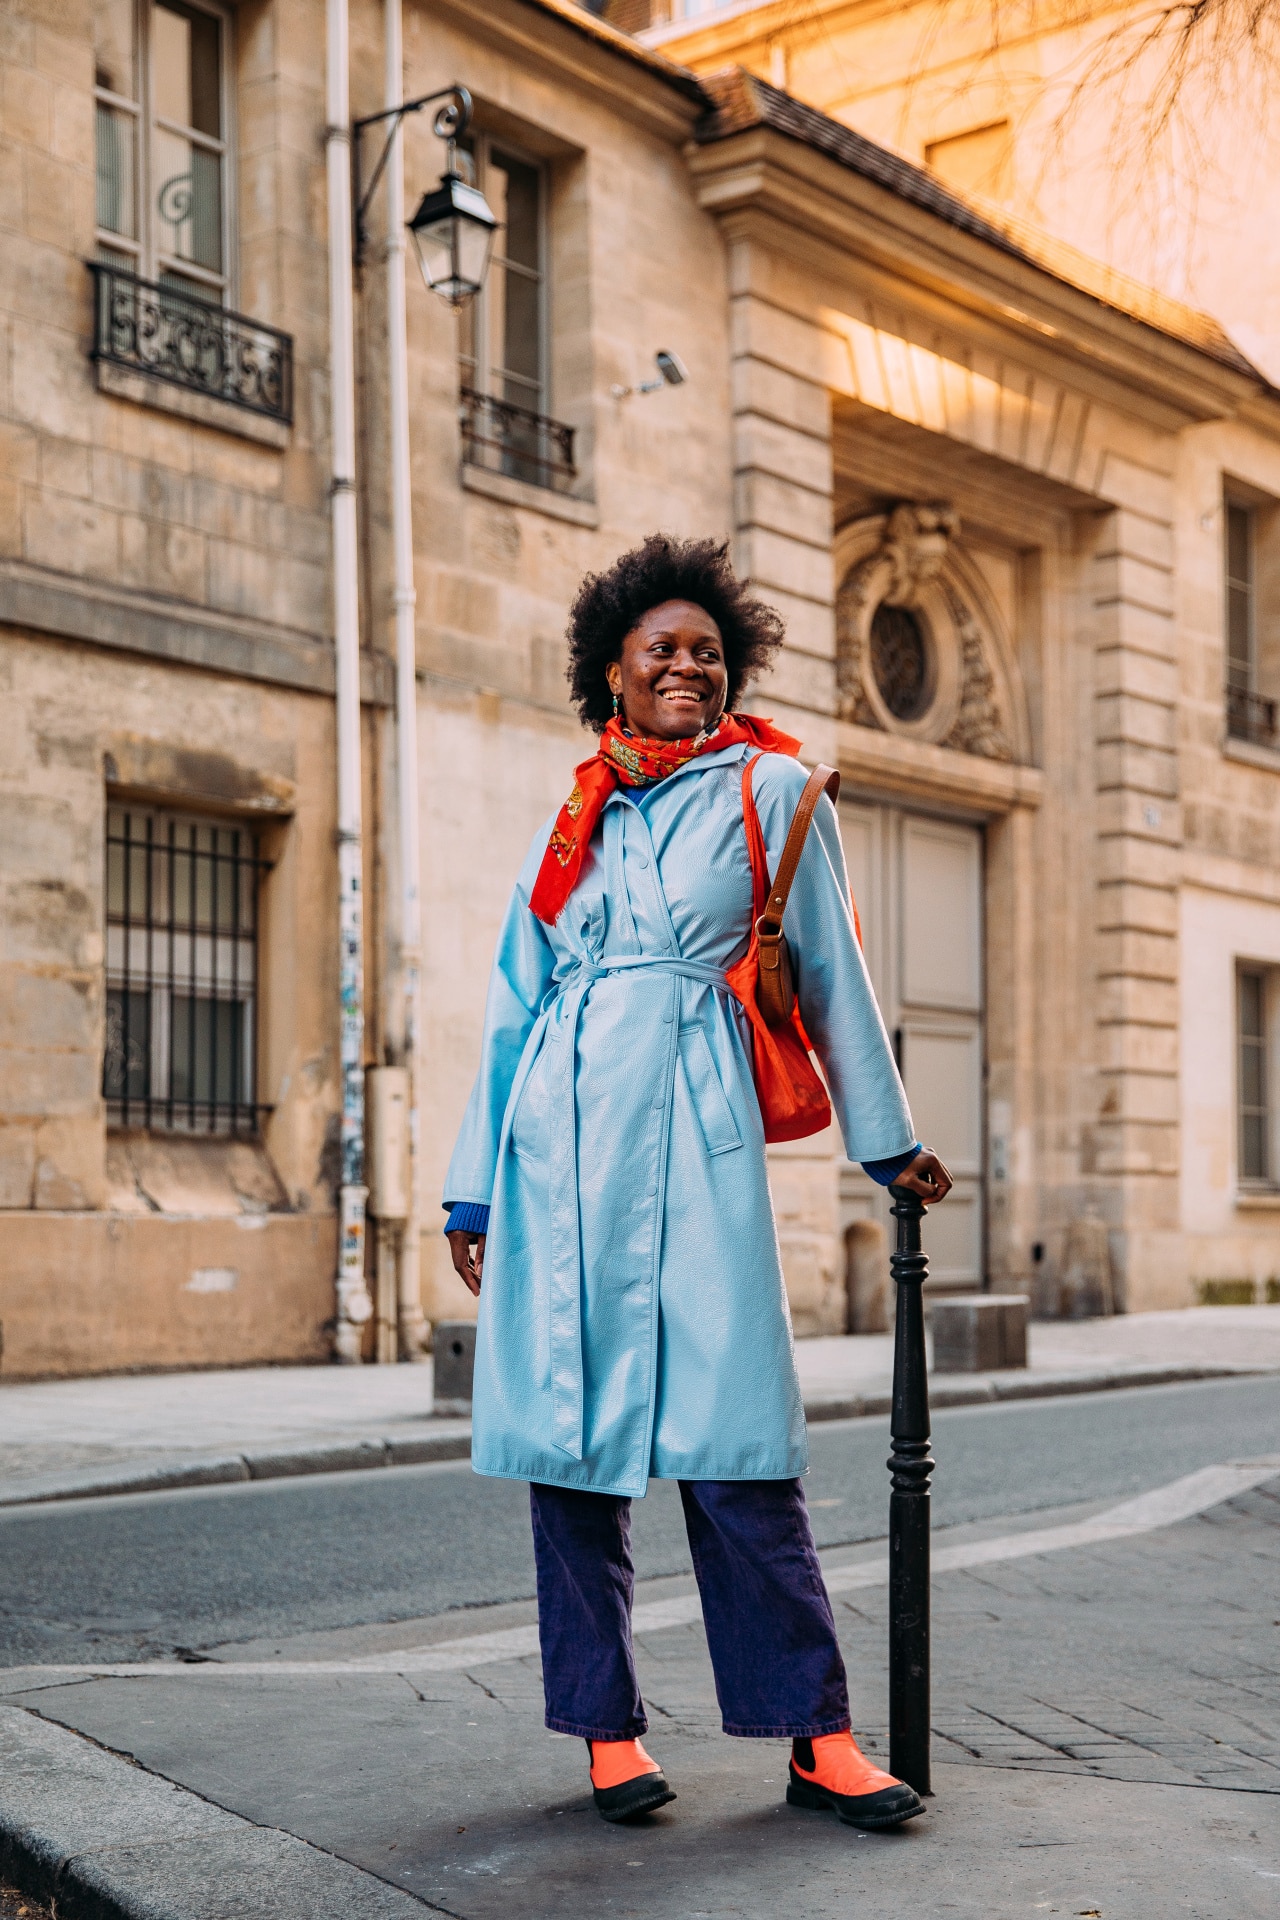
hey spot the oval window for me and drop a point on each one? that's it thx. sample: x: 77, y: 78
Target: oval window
x: 900, y: 662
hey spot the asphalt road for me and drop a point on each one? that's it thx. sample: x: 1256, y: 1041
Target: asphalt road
x: 139, y: 1576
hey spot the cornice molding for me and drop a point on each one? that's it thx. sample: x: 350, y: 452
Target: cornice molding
x: 882, y: 766
x: 38, y: 600
x: 542, y: 35
x: 767, y: 186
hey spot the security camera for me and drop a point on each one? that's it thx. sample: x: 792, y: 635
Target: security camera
x: 672, y: 372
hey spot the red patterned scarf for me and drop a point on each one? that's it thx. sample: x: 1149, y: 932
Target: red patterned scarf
x: 629, y: 760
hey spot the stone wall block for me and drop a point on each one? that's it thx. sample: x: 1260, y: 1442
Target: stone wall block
x: 1139, y: 816
x: 17, y: 1164
x: 1137, y: 536
x: 43, y: 1010
x: 1121, y: 998
x: 40, y: 837
x: 1137, y: 1147
x: 1143, y: 489
x: 1151, y: 956
x: 801, y: 681
x: 773, y: 560
x: 811, y: 627
x: 1130, y: 904
x: 1151, y: 770
x: 163, y: 558
x: 1139, y: 1049
x: 1120, y: 623
x: 145, y: 487
x: 17, y: 38
x: 28, y: 108
x: 70, y: 1171
x: 50, y: 201
x: 763, y: 500
x: 1150, y: 862
x: 1135, y: 721
x: 1139, y: 583
x: 1119, y: 669
x: 34, y: 1083
x: 764, y: 332
x: 1132, y: 1095
x: 758, y: 387
x: 764, y: 445
x: 72, y: 536
x: 66, y: 467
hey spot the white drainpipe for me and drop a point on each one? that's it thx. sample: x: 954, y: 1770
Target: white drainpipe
x: 353, y: 1303
x: 413, y: 1327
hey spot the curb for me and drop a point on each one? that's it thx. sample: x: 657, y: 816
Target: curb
x: 223, y: 1469
x: 106, y: 1840
x: 1042, y: 1386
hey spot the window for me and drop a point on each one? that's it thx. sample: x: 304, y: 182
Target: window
x: 503, y: 347
x: 162, y: 151
x: 1253, y: 1019
x: 182, y: 947
x: 1250, y: 715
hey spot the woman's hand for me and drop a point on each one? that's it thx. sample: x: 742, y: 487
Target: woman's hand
x: 471, y: 1265
x: 926, y: 1176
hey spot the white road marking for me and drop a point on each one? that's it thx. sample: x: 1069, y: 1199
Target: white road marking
x: 1163, y: 1507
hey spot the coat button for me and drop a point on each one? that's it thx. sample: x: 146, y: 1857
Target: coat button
x: 640, y: 859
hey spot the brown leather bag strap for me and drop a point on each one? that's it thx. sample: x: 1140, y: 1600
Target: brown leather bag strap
x: 821, y: 780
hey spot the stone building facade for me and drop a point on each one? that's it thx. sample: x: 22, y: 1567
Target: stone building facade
x: 981, y: 488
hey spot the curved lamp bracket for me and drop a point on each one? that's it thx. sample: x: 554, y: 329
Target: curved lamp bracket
x: 450, y: 122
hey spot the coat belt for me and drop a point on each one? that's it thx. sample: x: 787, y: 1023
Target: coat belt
x: 566, y: 1227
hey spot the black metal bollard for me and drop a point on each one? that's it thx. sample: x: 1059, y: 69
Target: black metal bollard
x: 910, y: 1465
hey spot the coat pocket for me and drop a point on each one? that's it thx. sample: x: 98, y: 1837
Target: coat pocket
x: 715, y: 1116
x: 528, y: 1135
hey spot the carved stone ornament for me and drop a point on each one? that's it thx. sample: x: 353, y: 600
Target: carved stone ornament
x: 978, y: 726
x: 953, y: 698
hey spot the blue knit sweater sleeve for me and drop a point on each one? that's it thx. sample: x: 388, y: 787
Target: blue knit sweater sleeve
x: 467, y: 1216
x: 885, y: 1172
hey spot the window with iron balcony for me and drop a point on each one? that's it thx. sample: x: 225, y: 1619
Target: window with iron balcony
x: 163, y: 268
x: 505, y: 346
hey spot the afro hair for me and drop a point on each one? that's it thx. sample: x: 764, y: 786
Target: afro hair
x: 610, y: 603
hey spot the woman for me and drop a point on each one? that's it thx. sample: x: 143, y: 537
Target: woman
x: 610, y: 1176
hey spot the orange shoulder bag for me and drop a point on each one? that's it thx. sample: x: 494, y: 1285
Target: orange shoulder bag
x: 793, y: 1099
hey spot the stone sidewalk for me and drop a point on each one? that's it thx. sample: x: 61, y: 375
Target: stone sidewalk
x: 64, y: 1439
x: 1106, y: 1742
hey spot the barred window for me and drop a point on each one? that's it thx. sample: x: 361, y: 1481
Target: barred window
x: 182, y: 954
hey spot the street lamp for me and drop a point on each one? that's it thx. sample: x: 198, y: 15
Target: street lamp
x: 454, y: 226
x: 453, y: 233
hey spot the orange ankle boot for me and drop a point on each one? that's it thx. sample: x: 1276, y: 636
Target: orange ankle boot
x: 624, y: 1780
x: 829, y: 1772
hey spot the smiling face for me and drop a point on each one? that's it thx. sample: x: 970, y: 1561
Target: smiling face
x: 671, y: 677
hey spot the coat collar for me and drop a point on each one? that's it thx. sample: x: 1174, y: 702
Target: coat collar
x: 704, y: 762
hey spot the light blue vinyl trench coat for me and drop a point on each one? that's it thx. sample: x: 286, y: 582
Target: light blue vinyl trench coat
x: 633, y: 1318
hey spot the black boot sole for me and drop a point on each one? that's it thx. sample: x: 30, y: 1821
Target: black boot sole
x: 634, y: 1797
x: 870, y: 1811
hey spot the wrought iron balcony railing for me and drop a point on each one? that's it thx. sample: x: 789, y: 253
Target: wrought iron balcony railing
x: 504, y: 438
x: 1251, y: 716
x: 175, y: 336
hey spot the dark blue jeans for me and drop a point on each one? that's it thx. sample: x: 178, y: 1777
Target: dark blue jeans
x: 769, y: 1626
